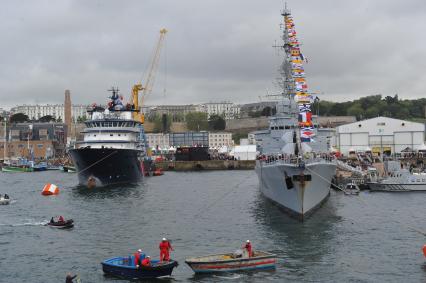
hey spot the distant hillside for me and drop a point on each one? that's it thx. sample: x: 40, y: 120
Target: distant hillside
x: 373, y: 106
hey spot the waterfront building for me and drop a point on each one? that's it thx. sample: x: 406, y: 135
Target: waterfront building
x: 226, y: 109
x: 57, y: 111
x: 248, y: 108
x: 177, y: 112
x: 189, y: 139
x: 219, y: 139
x: 157, y: 140
x: 36, y: 140
x: 381, y: 135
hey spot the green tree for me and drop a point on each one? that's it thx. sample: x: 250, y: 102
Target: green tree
x: 81, y: 119
x: 19, y: 118
x: 356, y: 110
x: 47, y: 119
x: 216, y: 123
x: 158, y: 123
x: 197, y: 121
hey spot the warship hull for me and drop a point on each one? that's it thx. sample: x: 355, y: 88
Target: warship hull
x: 298, y: 190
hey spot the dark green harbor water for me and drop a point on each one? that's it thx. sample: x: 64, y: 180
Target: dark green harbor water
x: 369, y: 238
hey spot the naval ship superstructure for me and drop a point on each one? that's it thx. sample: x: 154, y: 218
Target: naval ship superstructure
x: 294, y: 167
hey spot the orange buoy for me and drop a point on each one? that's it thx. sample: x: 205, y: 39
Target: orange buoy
x: 50, y: 189
x: 424, y: 250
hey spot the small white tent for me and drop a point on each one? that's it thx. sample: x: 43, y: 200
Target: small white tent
x: 245, y: 152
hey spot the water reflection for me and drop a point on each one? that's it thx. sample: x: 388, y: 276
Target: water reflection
x: 297, y: 242
x: 111, y: 191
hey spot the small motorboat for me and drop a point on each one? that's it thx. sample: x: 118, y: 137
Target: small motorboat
x: 68, y: 169
x: 4, y: 201
x: 62, y: 224
x: 232, y: 262
x: 124, y: 267
x: 351, y: 189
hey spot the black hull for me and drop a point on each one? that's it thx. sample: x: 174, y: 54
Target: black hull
x: 98, y: 167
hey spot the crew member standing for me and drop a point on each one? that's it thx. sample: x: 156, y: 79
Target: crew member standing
x: 137, y: 256
x: 165, y: 248
x: 248, y: 248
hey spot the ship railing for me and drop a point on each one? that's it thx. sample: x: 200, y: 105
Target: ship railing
x: 292, y: 159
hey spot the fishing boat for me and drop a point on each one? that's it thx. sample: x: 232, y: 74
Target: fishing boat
x: 232, y: 262
x: 113, y: 148
x: 62, y: 224
x: 124, y: 267
x: 295, y: 167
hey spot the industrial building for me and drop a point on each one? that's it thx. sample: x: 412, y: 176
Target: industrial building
x: 381, y: 135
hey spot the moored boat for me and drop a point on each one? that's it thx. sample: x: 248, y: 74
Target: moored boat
x: 232, y: 262
x: 17, y: 168
x: 68, y: 169
x: 124, y: 267
x: 351, y: 189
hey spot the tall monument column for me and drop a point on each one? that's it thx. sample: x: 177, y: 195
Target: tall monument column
x: 67, y: 112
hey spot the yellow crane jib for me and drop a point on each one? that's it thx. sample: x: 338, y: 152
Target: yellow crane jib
x: 149, y: 82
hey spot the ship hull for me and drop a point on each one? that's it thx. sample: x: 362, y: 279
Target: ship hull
x: 299, y: 191
x: 396, y: 187
x: 97, y: 167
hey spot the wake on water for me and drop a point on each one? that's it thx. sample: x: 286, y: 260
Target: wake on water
x: 29, y: 223
x: 230, y: 277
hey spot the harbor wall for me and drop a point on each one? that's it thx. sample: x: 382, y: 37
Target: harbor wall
x: 206, y: 165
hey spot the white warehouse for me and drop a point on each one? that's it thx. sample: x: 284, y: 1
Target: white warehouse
x: 380, y: 135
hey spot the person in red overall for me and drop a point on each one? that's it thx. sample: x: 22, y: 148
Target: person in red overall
x: 61, y: 219
x: 146, y: 261
x: 165, y: 248
x: 137, y: 256
x: 248, y: 248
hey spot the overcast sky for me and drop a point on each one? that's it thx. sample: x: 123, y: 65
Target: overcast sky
x: 215, y: 50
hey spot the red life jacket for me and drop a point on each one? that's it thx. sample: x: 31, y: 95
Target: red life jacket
x: 165, y: 246
x: 146, y: 262
x: 137, y: 258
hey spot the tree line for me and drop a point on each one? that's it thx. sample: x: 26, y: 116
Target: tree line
x: 373, y: 106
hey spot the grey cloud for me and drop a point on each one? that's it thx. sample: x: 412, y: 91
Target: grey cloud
x: 215, y: 50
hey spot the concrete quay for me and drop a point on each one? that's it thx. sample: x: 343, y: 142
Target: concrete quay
x: 206, y: 165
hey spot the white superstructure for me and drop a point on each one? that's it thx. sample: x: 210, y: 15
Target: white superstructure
x: 111, y: 129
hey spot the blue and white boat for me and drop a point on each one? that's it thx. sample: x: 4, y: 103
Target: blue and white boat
x: 124, y: 267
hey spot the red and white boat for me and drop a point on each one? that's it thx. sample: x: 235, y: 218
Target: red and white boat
x: 232, y: 262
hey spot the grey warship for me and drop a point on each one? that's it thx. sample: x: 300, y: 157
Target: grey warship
x: 294, y: 168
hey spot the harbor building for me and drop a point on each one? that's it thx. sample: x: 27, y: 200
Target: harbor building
x: 157, y: 140
x: 219, y: 139
x: 226, y: 109
x: 34, y: 140
x: 57, y: 111
x: 61, y: 112
x: 381, y: 135
x: 190, y: 139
